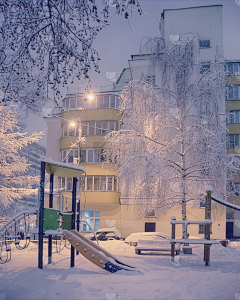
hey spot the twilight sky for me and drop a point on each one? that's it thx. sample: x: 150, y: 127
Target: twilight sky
x: 117, y: 42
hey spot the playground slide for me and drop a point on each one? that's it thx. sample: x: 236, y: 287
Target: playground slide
x: 94, y: 252
x: 233, y: 206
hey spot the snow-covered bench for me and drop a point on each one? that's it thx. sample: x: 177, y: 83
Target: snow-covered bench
x: 159, y: 244
x: 139, y: 249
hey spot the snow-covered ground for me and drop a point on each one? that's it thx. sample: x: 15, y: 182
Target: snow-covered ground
x: 156, y: 277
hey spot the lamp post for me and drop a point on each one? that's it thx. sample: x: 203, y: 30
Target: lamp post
x: 74, y: 124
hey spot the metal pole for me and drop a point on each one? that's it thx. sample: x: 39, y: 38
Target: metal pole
x: 207, y: 226
x: 73, y: 215
x: 173, y: 237
x: 79, y: 190
x: 50, y: 206
x: 41, y: 211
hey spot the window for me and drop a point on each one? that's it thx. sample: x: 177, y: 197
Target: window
x: 99, y: 101
x: 233, y: 92
x: 83, y: 156
x: 204, y: 67
x: 233, y: 140
x: 72, y: 103
x: 89, y: 183
x: 233, y: 68
x: 229, y: 215
x: 233, y: 117
x: 110, y: 183
x: 69, y: 184
x: 202, y: 229
x: 97, y: 183
x: 68, y: 155
x: 101, y: 183
x: 112, y: 101
x: 92, y: 155
x: 151, y: 79
x: 234, y: 187
x: 98, y: 127
x: 204, y: 43
x: 92, y: 217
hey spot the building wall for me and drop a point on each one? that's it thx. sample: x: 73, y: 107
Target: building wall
x: 54, y: 134
x: 204, y: 21
x: 123, y: 217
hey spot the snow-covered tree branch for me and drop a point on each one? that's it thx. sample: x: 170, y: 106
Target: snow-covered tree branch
x: 14, y: 183
x: 49, y: 43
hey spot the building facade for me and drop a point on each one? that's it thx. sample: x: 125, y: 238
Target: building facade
x: 101, y: 201
x: 233, y: 144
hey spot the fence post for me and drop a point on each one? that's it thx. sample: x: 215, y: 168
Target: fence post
x: 173, y: 237
x: 207, y: 227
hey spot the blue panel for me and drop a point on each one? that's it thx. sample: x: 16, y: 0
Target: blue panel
x: 110, y: 267
x: 88, y: 213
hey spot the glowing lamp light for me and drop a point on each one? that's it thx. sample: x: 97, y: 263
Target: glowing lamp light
x: 90, y: 97
x: 72, y: 124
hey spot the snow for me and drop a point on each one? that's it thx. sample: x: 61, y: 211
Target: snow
x: 231, y: 205
x: 209, y: 189
x: 185, y: 278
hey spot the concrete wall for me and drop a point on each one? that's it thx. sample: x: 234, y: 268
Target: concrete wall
x: 54, y: 134
x: 205, y: 21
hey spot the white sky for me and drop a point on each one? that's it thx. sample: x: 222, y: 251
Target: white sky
x: 116, y: 43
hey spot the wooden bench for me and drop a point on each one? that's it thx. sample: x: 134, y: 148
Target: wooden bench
x: 138, y: 249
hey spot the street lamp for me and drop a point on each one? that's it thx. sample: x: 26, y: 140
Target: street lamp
x: 74, y: 124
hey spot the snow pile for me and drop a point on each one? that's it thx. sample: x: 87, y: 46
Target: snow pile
x: 186, y: 278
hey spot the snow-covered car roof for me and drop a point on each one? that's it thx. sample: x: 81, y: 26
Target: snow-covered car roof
x: 110, y: 230
x: 134, y: 237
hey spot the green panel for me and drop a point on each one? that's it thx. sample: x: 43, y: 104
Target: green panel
x: 50, y: 217
x: 67, y: 220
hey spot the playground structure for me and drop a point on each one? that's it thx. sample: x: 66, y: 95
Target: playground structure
x: 12, y: 230
x: 54, y: 222
x: 207, y: 242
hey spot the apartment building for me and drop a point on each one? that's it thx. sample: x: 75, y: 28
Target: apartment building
x: 233, y: 144
x: 101, y: 201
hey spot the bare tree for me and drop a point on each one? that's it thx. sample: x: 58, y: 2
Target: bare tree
x: 174, y: 140
x: 49, y: 42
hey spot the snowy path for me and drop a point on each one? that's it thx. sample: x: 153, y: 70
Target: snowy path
x: 158, y: 279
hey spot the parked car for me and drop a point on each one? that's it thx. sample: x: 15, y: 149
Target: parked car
x: 158, y: 239
x: 105, y: 234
